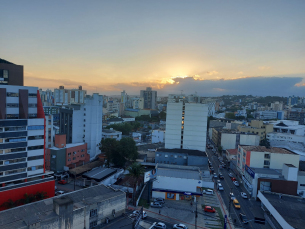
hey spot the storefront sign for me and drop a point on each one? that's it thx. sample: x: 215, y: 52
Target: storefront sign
x: 251, y: 173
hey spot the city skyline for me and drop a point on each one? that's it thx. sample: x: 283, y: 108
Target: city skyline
x: 205, y: 47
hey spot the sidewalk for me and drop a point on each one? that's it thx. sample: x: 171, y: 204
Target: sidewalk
x: 224, y: 211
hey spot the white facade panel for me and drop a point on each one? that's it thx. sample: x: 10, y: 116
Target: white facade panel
x: 12, y: 100
x: 33, y: 101
x: 35, y: 162
x: 35, y: 132
x: 228, y: 141
x: 12, y: 110
x: 38, y: 171
x: 36, y: 122
x: 36, y: 152
x: 33, y: 110
x: 178, y: 184
x: 37, y: 142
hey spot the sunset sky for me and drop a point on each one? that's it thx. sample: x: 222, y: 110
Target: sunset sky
x: 208, y: 47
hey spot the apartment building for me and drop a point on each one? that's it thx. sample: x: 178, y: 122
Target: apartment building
x: 83, y: 123
x: 257, y: 127
x: 22, y: 144
x: 64, y: 96
x: 297, y: 115
x: 138, y: 103
x: 11, y: 74
x: 158, y: 136
x: 186, y: 126
x: 111, y: 133
x: 150, y: 98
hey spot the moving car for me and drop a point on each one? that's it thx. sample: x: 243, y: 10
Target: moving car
x: 156, y: 205
x: 220, y: 187
x: 59, y: 193
x: 244, y: 195
x: 236, y: 203
x: 215, y: 175
x: 243, y: 218
x: 231, y: 175
x: 208, y: 191
x: 159, y: 225
x: 220, y: 176
x: 236, y: 183
x: 135, y: 213
x: 209, y: 209
x: 179, y: 226
x: 232, y: 196
x: 233, y: 178
x: 160, y: 200
x: 62, y: 182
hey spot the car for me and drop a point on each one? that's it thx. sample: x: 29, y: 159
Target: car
x: 179, y: 226
x: 55, y: 188
x: 243, y: 218
x: 156, y: 205
x: 135, y: 213
x: 231, y: 175
x: 224, y: 165
x: 218, y: 182
x: 236, y: 183
x: 232, y: 196
x: 208, y: 191
x: 220, y: 187
x: 236, y: 203
x: 212, y: 169
x: 160, y: 200
x: 244, y: 195
x: 59, y: 193
x: 233, y: 179
x: 159, y: 225
x: 215, y: 175
x: 62, y: 182
x: 220, y: 176
x: 209, y: 209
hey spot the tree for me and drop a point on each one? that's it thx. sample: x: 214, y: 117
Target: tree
x: 230, y: 115
x: 9, y: 204
x: 109, y: 146
x: 162, y: 115
x: 265, y: 142
x: 135, y: 170
x: 28, y: 198
x: 129, y: 149
x: 41, y: 195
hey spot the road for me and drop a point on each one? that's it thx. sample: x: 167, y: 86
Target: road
x: 250, y: 208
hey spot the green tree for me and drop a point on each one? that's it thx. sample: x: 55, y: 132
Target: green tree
x: 110, y: 147
x: 9, y: 204
x: 136, y: 171
x: 265, y: 142
x: 129, y: 149
x: 230, y: 115
x: 28, y: 198
x: 162, y: 115
x: 41, y: 195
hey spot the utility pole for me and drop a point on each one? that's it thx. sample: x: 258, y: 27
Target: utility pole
x: 196, y: 215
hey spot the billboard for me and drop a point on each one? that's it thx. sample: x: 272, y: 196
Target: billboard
x: 152, y: 174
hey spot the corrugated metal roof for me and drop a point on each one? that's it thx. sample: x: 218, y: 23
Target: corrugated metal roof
x: 184, y: 174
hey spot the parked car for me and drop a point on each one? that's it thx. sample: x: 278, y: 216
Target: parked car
x: 179, y: 226
x: 212, y: 169
x: 236, y: 203
x: 220, y: 187
x: 232, y: 196
x: 236, y: 183
x: 59, y: 193
x: 62, y: 182
x: 231, y: 175
x: 160, y: 200
x: 209, y: 209
x: 135, y: 213
x: 243, y: 218
x: 159, y: 225
x: 208, y: 191
x: 156, y: 205
x: 233, y: 178
x: 244, y: 195
x: 215, y: 175
x: 220, y: 176
x: 224, y: 165
x: 218, y: 182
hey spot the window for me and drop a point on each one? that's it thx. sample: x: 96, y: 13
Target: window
x: 82, y: 155
x: 35, y: 137
x: 35, y: 127
x: 35, y: 147
x: 74, y: 153
x: 69, y: 154
x: 157, y: 155
x: 74, y: 158
x: 35, y: 158
x: 32, y: 95
x: 93, y: 212
x: 267, y: 156
x: 93, y: 224
x: 15, y: 171
x: 266, y: 162
x: 166, y: 155
x: 184, y: 157
x: 12, y: 105
x: 69, y: 159
x: 83, y: 150
x: 11, y: 94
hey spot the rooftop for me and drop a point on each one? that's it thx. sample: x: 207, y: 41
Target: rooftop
x: 68, y: 146
x: 232, y: 151
x: 110, y: 131
x: 99, y: 173
x: 2, y: 61
x: 179, y: 173
x: 185, y: 151
x: 85, y: 168
x: 291, y: 208
x: 267, y: 171
x: 270, y: 150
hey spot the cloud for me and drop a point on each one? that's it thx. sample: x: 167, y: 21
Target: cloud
x: 240, y: 73
x: 263, y: 68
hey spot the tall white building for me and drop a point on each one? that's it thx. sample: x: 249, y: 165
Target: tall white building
x: 186, y: 126
x: 64, y: 96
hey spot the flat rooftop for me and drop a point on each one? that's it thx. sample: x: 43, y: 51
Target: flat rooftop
x: 267, y: 171
x: 184, y: 151
x: 291, y: 208
x: 178, y: 173
x: 270, y: 150
x: 99, y: 173
x: 232, y: 151
x: 68, y: 146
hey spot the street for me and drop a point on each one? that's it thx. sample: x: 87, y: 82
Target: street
x: 250, y: 208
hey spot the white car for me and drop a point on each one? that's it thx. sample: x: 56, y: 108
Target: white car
x: 232, y: 196
x: 208, y: 191
x: 59, y: 193
x: 215, y: 175
x: 159, y: 225
x: 179, y: 226
x: 220, y: 187
x: 135, y: 213
x: 156, y: 205
x: 231, y: 175
x: 244, y: 195
x: 160, y: 200
x: 236, y: 183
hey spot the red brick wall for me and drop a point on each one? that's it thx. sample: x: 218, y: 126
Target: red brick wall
x: 78, y: 155
x: 60, y: 140
x: 48, y: 159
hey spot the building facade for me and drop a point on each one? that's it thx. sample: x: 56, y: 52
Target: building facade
x: 10, y: 74
x: 158, y: 136
x: 186, y: 126
x: 150, y: 98
x: 22, y: 144
x: 257, y: 127
x: 111, y: 133
x: 64, y: 96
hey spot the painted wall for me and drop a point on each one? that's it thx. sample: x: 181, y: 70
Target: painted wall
x: 183, y: 185
x: 173, y: 125
x: 228, y: 141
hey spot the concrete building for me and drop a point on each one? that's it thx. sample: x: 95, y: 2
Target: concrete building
x: 297, y: 115
x: 158, y: 136
x: 288, y: 126
x: 22, y: 144
x: 86, y: 208
x: 283, y: 211
x: 50, y: 132
x: 111, y: 133
x: 257, y: 127
x: 176, y: 182
x: 150, y: 98
x: 47, y: 97
x: 113, y: 106
x: 186, y: 126
x: 10, y: 74
x: 83, y: 123
x: 64, y: 96
x: 181, y: 157
x: 276, y: 106
x: 231, y: 154
x: 66, y: 155
x: 262, y: 157
x: 138, y: 103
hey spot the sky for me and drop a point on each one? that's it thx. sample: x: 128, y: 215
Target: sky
x: 208, y: 47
